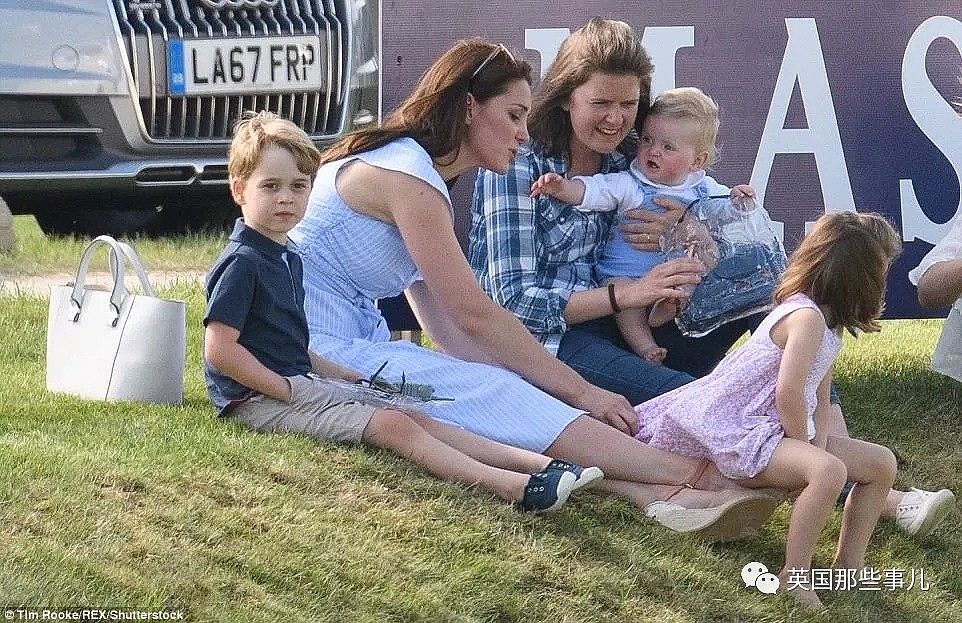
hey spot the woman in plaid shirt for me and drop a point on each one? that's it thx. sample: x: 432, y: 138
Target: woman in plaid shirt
x: 536, y: 256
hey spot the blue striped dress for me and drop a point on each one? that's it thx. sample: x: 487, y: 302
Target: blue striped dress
x: 350, y: 260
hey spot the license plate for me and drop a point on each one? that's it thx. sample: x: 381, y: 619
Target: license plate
x: 244, y: 66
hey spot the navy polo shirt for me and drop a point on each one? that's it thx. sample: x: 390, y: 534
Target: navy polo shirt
x: 256, y: 286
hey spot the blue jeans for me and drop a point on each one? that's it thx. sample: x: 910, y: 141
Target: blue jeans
x: 699, y: 355
x: 596, y: 350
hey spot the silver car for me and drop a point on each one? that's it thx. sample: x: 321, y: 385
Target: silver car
x: 115, y: 115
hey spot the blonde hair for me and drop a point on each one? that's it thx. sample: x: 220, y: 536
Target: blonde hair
x: 256, y: 131
x: 600, y: 46
x: 841, y: 265
x: 691, y: 104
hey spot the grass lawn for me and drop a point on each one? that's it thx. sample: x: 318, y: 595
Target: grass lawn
x: 36, y: 254
x: 129, y: 506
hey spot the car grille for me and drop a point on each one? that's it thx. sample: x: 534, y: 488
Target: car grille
x: 146, y: 28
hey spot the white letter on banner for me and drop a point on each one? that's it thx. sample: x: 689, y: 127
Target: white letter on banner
x: 934, y: 116
x: 803, y: 61
x: 663, y: 43
x: 546, y: 41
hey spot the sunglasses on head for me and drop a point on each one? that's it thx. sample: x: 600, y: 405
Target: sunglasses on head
x: 497, y: 50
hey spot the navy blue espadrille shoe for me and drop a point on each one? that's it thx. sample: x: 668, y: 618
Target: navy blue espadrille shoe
x: 586, y: 476
x: 547, y: 491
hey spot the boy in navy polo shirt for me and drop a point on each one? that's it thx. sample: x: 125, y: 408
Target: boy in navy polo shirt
x: 257, y: 364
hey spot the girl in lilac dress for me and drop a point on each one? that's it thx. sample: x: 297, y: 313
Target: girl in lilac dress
x: 762, y: 415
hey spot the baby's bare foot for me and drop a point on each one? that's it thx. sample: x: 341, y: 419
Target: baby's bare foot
x: 663, y: 312
x: 647, y: 348
x: 656, y: 354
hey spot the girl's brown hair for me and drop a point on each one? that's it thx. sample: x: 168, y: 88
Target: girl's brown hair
x: 841, y: 265
x: 434, y: 113
x: 600, y: 46
x: 255, y: 131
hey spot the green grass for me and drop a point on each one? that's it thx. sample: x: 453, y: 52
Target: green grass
x: 36, y: 253
x: 146, y: 507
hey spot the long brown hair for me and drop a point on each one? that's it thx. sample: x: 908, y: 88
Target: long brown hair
x: 841, y: 265
x: 600, y: 46
x: 434, y: 113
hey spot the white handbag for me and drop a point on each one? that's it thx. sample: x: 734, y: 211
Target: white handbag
x: 115, y: 345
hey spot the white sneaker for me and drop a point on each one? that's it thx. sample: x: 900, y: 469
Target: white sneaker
x: 920, y: 511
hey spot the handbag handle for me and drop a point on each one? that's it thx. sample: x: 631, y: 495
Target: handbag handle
x: 138, y: 266
x: 120, y: 253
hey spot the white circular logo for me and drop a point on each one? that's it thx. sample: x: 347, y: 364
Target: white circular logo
x: 751, y: 571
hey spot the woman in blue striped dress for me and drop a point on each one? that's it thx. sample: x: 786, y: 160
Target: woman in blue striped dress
x: 380, y: 221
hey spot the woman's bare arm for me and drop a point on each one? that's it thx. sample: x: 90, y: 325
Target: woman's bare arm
x: 941, y: 284
x: 662, y: 281
x: 433, y: 318
x: 424, y: 220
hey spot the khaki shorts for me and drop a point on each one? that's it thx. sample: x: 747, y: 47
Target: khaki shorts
x: 319, y: 409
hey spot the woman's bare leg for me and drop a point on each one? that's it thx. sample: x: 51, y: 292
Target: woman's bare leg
x: 587, y: 441
x: 712, y: 489
x: 650, y: 478
x: 641, y: 494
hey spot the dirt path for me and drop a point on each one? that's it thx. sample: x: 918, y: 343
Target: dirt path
x: 41, y: 284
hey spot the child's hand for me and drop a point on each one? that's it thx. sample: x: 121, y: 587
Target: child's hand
x: 698, y: 243
x: 548, y: 184
x: 743, y: 198
x: 742, y: 190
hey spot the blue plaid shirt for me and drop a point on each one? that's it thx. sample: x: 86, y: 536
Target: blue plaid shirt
x: 528, y: 254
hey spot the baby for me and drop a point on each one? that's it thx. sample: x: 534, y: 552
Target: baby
x: 677, y: 143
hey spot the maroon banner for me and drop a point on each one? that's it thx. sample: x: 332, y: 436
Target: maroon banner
x: 825, y: 106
